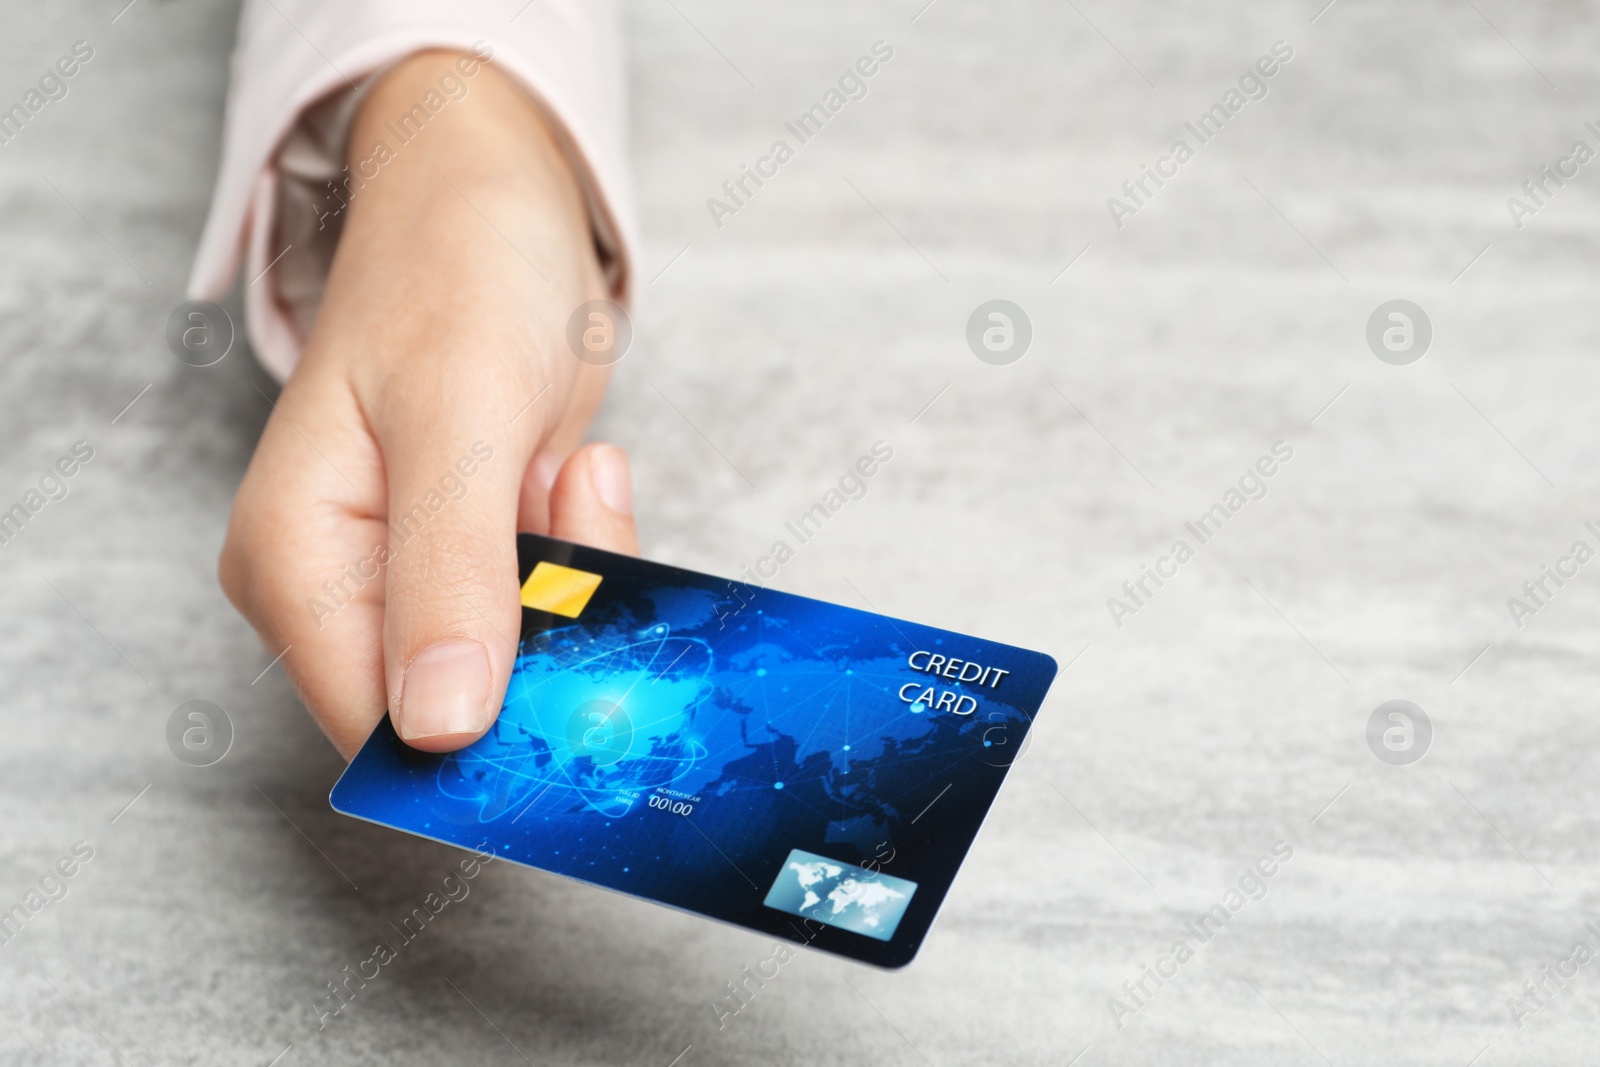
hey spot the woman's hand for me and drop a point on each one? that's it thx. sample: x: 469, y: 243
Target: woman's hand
x: 435, y: 412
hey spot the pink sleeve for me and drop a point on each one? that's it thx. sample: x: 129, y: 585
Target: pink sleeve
x: 300, y: 68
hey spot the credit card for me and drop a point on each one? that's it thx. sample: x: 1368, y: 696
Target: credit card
x: 811, y: 772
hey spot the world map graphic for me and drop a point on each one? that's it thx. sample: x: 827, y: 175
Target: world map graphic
x: 596, y: 718
x: 844, y: 895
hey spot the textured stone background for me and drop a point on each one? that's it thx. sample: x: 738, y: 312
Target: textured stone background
x: 1223, y: 717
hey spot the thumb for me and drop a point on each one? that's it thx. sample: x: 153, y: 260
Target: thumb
x: 451, y: 613
x: 591, y: 501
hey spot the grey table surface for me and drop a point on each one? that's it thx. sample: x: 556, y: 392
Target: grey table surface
x: 1227, y: 714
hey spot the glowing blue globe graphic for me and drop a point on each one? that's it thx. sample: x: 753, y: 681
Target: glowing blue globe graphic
x: 591, y: 722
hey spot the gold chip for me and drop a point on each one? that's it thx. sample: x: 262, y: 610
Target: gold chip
x: 559, y: 590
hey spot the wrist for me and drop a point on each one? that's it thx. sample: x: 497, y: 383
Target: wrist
x: 447, y: 138
x: 475, y: 213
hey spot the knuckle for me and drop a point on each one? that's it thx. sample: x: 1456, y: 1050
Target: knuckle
x: 448, y: 568
x: 449, y: 581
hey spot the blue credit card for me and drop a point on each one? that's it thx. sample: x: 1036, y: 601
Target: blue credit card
x: 808, y: 771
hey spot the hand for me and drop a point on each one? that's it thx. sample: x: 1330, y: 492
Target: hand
x: 374, y: 532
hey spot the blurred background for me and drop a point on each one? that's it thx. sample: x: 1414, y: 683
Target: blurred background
x: 1229, y: 713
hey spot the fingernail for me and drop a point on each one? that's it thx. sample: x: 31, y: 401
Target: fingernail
x: 608, y: 467
x: 445, y: 691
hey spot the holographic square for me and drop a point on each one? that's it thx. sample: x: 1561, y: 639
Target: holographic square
x: 840, y: 894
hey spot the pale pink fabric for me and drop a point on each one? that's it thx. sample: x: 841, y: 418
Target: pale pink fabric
x: 300, y: 67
